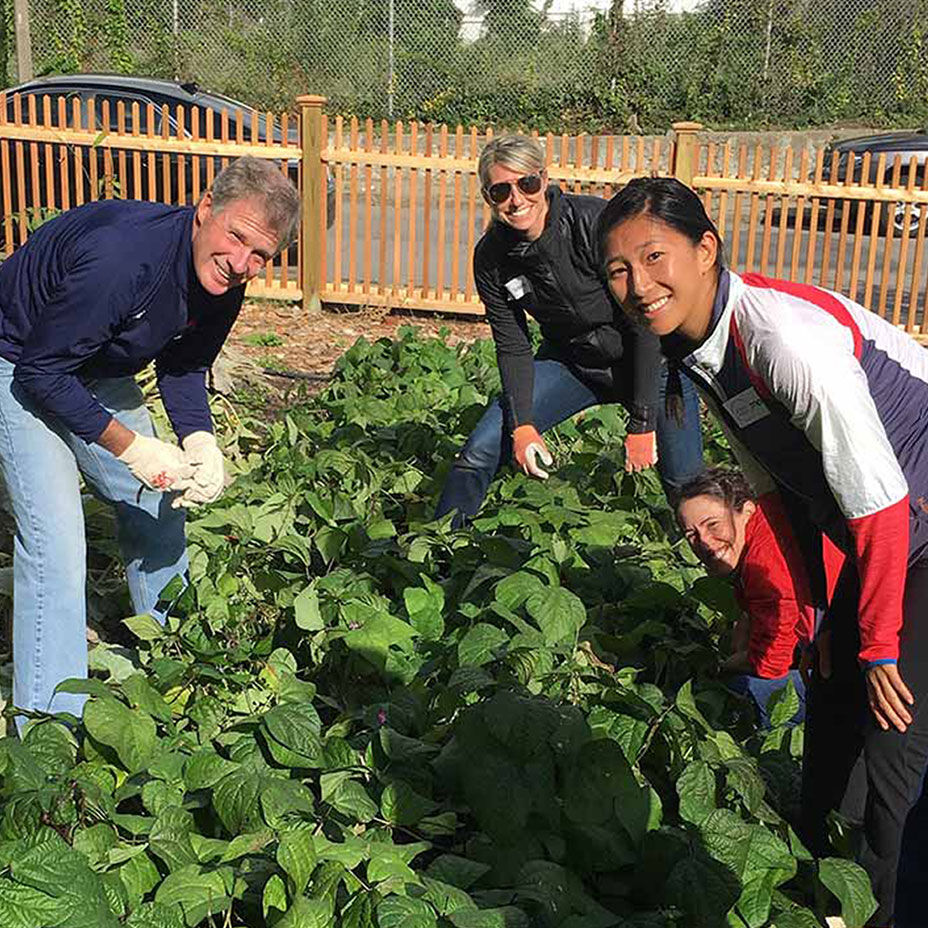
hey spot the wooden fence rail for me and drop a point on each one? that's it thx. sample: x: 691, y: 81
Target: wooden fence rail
x: 406, y: 208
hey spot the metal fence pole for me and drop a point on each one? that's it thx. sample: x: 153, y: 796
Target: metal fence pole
x: 23, y: 40
x: 313, y: 214
x: 685, y: 151
x: 391, y: 78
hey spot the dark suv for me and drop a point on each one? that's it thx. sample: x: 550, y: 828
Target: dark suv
x: 92, y: 89
x: 905, y: 144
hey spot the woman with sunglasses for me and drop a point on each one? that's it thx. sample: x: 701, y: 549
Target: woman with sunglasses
x: 825, y: 405
x: 538, y: 259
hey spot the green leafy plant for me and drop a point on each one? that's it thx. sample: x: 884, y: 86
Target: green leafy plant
x: 263, y: 339
x: 356, y: 716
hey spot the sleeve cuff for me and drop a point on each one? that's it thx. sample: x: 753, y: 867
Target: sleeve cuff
x: 642, y: 419
x: 879, y: 662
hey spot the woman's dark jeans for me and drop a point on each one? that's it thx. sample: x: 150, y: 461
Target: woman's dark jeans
x: 559, y: 394
x: 841, y: 731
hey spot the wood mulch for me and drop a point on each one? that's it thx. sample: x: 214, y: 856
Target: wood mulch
x: 281, y: 338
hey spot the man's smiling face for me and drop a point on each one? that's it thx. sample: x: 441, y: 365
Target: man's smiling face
x: 232, y: 245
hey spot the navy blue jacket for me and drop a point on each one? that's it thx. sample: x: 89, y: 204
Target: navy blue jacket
x: 101, y: 291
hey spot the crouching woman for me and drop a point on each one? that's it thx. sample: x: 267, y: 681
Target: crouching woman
x: 731, y: 534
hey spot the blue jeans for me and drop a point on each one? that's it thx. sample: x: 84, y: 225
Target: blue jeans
x: 558, y: 394
x: 760, y: 689
x: 41, y: 464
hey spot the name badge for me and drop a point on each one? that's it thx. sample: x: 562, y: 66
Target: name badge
x: 746, y: 408
x: 517, y: 287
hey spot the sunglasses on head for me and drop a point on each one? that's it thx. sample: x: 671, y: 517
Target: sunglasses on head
x: 499, y: 193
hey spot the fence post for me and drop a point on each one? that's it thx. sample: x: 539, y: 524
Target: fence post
x: 685, y: 151
x: 313, y: 219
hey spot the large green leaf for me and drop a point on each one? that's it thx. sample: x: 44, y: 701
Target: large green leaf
x: 400, y: 747
x: 349, y: 796
x: 307, y: 913
x: 379, y: 633
x: 169, y: 838
x: 425, y: 606
x: 445, y: 897
x: 400, y: 804
x: 850, y: 884
x: 514, y: 590
x: 52, y: 746
x: 131, y: 734
x: 359, y: 912
x: 748, y: 850
x: 274, y: 895
x: 199, y: 891
x: 205, y: 769
x: 284, y: 801
x: 600, y: 775
x: 142, y: 695
x: 243, y: 845
x: 235, y: 798
x: 155, y: 915
x: 53, y: 868
x: 783, y: 704
x: 479, y: 645
x: 296, y: 855
x: 294, y: 735
x: 306, y: 610
x: 458, y: 871
x: 403, y: 912
x: 559, y: 613
x: 140, y: 876
x: 696, y: 789
x: 25, y: 907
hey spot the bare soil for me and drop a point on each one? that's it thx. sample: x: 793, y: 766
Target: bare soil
x: 280, y: 339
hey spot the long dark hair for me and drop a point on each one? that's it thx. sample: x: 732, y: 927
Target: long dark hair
x: 665, y: 198
x: 672, y: 202
x: 725, y: 485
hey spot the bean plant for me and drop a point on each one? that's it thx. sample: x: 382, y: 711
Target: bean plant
x: 358, y: 716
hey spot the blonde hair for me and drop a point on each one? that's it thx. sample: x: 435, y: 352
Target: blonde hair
x: 517, y: 152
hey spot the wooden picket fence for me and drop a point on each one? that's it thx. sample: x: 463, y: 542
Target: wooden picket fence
x: 72, y: 152
x: 408, y: 209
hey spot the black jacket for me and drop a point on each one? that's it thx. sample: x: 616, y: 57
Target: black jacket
x: 555, y: 279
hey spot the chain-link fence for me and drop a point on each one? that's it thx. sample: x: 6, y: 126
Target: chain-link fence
x: 634, y: 64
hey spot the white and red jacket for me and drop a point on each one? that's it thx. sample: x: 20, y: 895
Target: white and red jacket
x: 827, y: 403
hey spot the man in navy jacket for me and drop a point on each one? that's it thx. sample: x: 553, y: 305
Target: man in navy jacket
x: 93, y: 297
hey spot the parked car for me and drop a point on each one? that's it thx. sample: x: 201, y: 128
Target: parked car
x: 905, y: 145
x: 93, y: 89
x: 892, y: 215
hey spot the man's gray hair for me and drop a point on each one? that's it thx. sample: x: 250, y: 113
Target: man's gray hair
x: 249, y: 178
x: 516, y: 152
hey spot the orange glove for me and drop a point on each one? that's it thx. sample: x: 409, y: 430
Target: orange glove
x: 640, y: 451
x: 527, y: 444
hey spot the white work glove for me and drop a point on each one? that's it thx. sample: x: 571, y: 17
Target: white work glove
x: 154, y: 463
x: 527, y: 445
x: 208, y: 476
